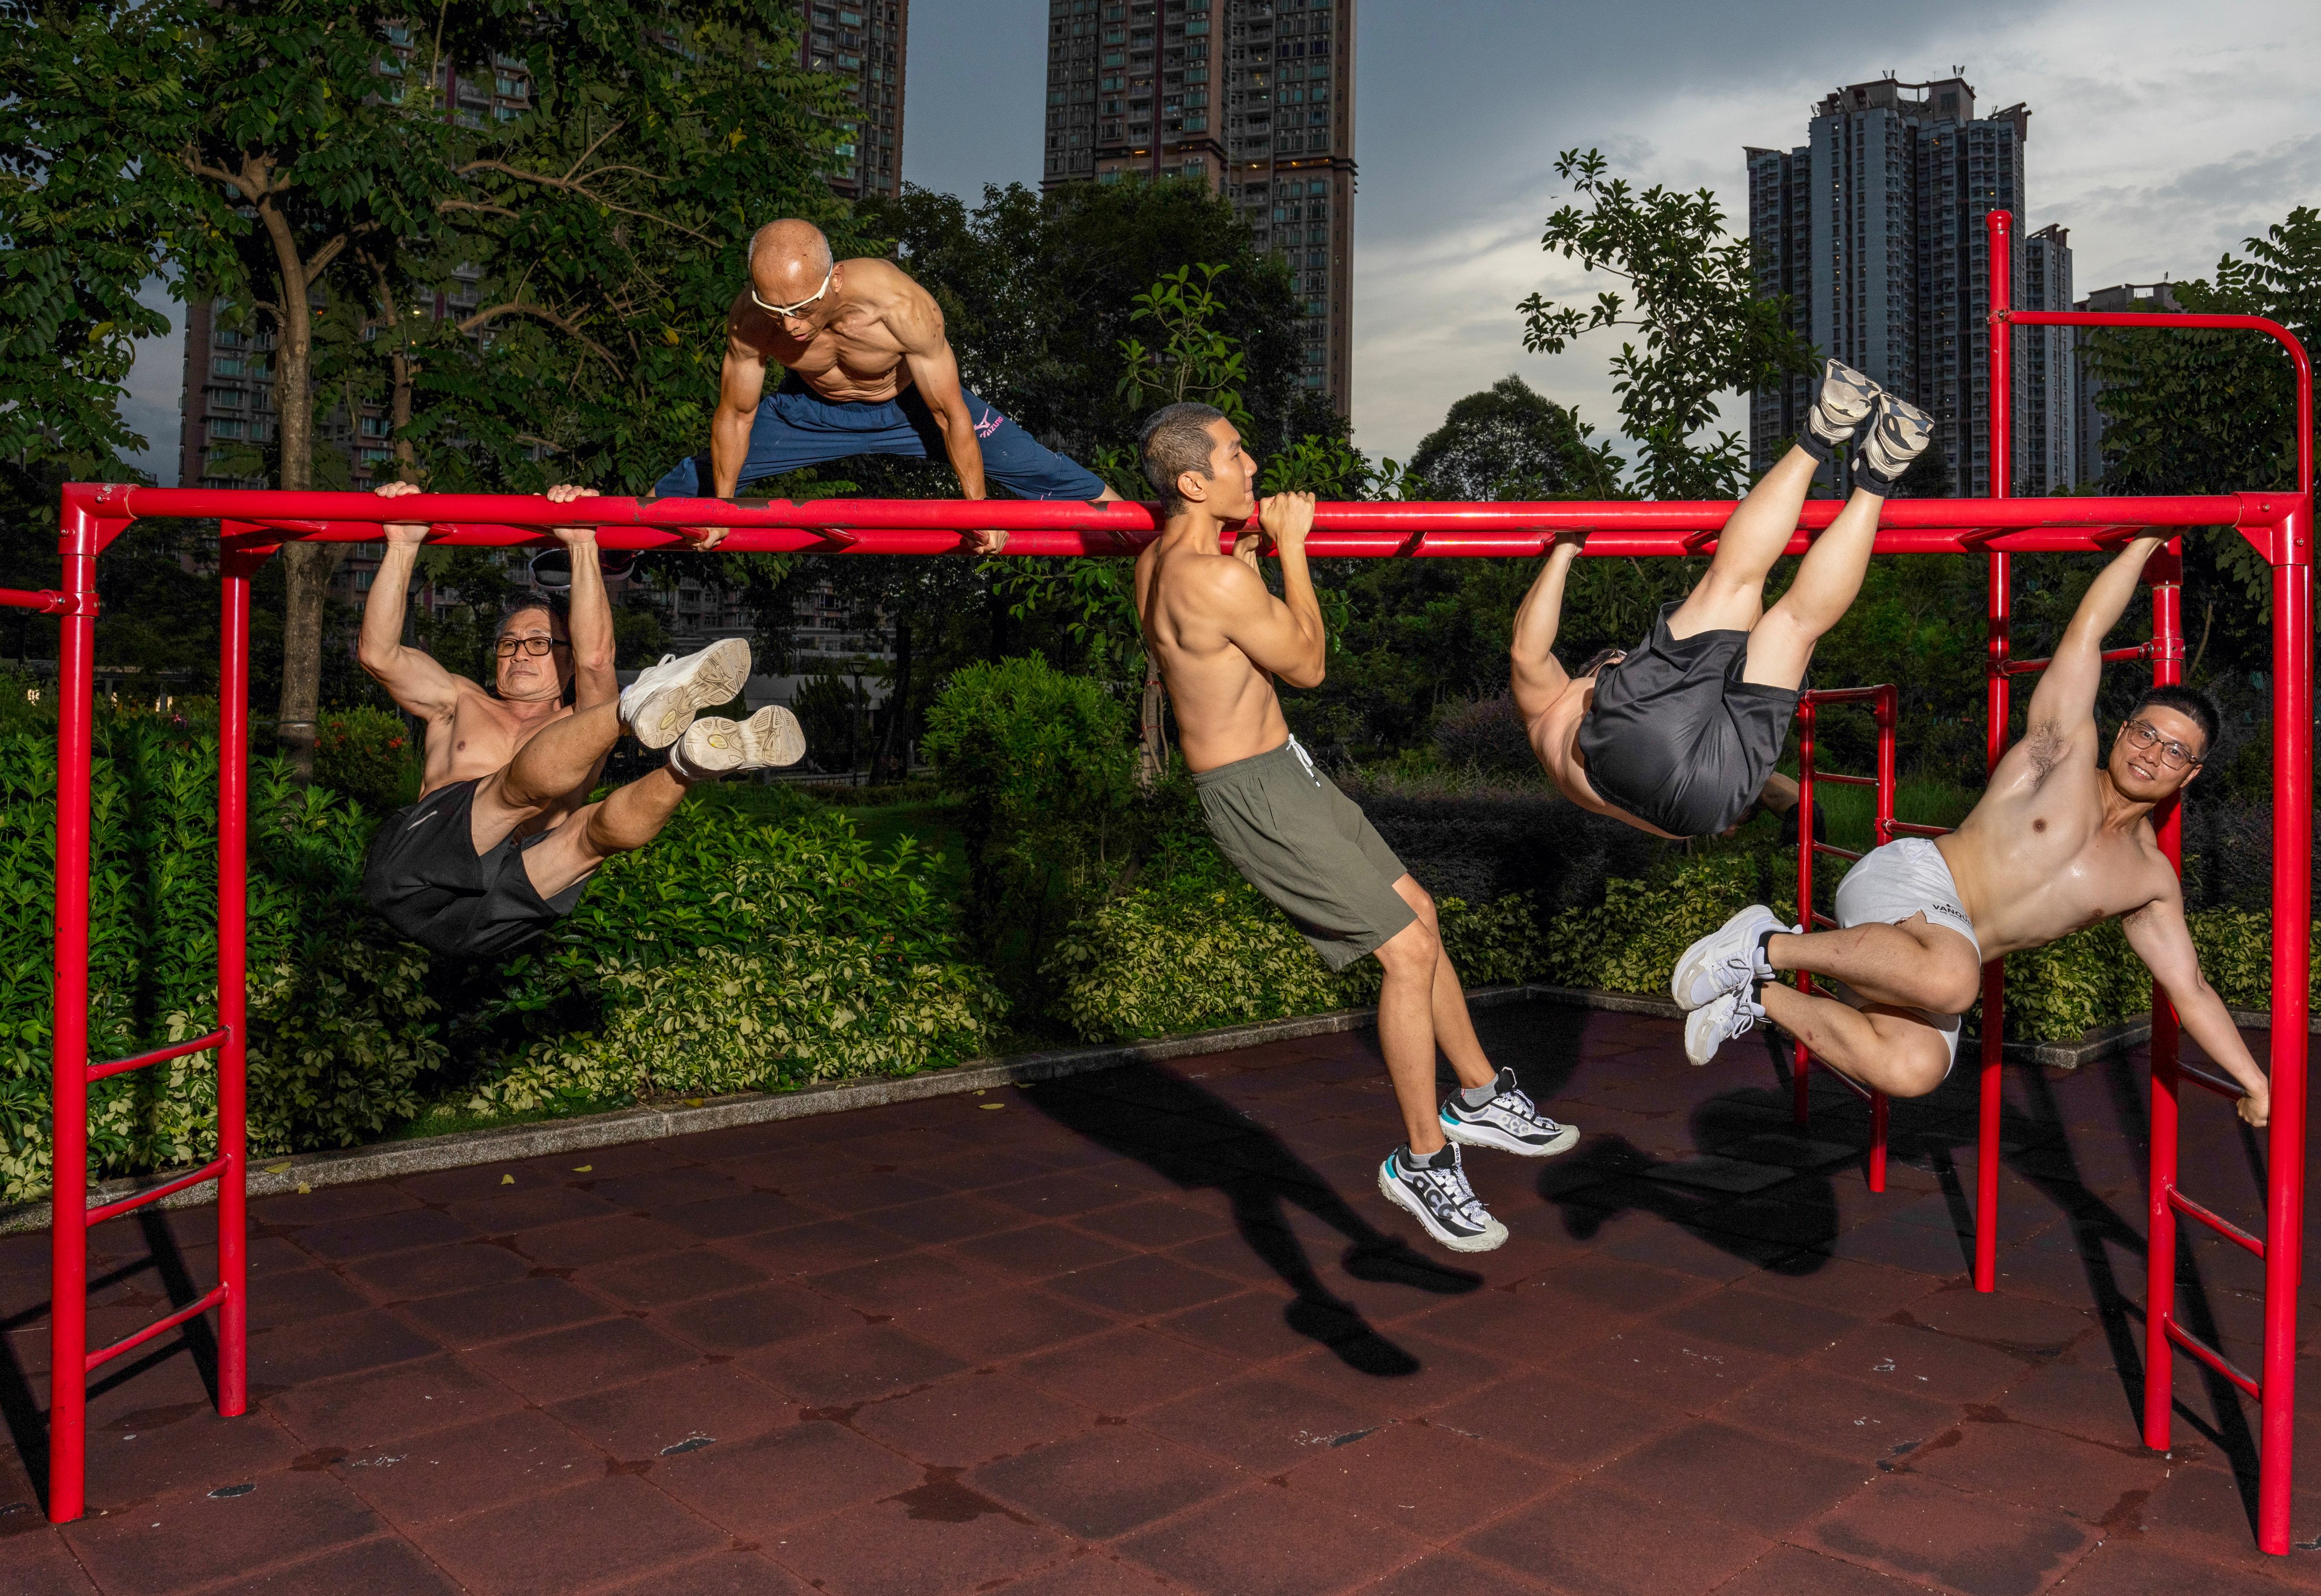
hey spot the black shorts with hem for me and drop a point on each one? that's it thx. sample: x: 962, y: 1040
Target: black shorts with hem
x: 426, y: 880
x: 1676, y: 738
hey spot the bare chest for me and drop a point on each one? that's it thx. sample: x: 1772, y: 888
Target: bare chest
x: 481, y: 736
x: 846, y: 361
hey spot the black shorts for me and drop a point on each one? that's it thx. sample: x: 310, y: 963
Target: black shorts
x: 426, y: 880
x: 1677, y: 739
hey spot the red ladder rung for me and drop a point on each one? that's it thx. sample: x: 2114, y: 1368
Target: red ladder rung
x: 2214, y: 1221
x: 2215, y: 1083
x: 1846, y: 780
x: 2209, y: 1356
x: 1911, y: 828
x: 159, y: 1055
x: 203, y: 1304
x: 2142, y: 651
x: 208, y: 1171
x: 1832, y: 848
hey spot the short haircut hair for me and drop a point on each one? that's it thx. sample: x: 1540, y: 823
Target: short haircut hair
x: 559, y: 612
x: 1174, y: 439
x: 1596, y: 662
x: 2193, y: 705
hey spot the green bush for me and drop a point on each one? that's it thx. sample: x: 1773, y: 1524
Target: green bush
x: 736, y: 955
x: 1194, y: 947
x: 366, y: 754
x: 342, y: 1029
x: 1630, y: 942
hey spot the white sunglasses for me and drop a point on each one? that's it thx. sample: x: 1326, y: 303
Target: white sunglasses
x: 791, y: 310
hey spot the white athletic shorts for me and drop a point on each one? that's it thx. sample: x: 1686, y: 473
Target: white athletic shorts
x: 1887, y: 886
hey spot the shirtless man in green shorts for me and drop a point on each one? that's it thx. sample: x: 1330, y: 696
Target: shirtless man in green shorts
x: 1220, y: 638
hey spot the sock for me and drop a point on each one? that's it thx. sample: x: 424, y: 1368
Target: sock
x: 1764, y: 964
x: 1475, y: 1097
x: 1824, y: 452
x: 1441, y: 1158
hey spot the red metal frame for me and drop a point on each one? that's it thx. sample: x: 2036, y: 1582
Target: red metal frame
x: 1883, y: 831
x: 254, y: 523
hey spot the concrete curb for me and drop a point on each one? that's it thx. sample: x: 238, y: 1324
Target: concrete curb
x: 462, y: 1149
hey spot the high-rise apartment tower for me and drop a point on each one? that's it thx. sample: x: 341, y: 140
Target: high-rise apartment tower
x: 2145, y: 298
x: 865, y: 40
x: 1253, y: 97
x: 1874, y: 228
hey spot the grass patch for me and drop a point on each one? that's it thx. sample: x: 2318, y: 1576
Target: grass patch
x: 1922, y: 800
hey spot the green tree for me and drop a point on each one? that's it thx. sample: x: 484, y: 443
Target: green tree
x: 1510, y: 443
x: 1692, y: 294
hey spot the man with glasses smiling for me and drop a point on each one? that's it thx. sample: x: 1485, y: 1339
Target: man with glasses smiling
x: 2059, y: 842
x: 504, y: 839
x: 865, y: 370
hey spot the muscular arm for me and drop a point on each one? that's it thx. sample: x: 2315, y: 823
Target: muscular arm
x: 917, y: 325
x: 2064, y: 701
x: 589, y: 621
x: 418, y: 684
x: 1536, y: 679
x: 2161, y: 939
x: 1282, y: 635
x: 740, y: 384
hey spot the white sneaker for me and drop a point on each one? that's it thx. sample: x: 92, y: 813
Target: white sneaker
x: 1897, y: 434
x: 664, y: 698
x: 1439, y: 1198
x: 1510, y: 1121
x: 1711, y: 1026
x: 715, y: 746
x: 1841, y: 403
x: 1725, y: 960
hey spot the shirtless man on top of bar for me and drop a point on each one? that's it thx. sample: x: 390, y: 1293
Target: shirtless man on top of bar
x: 1220, y: 638
x: 865, y: 370
x: 2062, y: 839
x: 1677, y: 735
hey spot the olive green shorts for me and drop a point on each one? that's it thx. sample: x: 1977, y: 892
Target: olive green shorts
x: 1309, y: 849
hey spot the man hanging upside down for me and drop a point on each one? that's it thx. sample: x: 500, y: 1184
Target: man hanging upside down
x: 1677, y: 736
x: 504, y: 839
x: 2058, y: 842
x: 867, y: 370
x: 1220, y: 638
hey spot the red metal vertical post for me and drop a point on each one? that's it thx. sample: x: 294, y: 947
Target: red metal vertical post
x: 1882, y: 828
x: 1800, y: 1072
x: 233, y: 929
x: 80, y: 540
x: 2000, y: 283
x: 2292, y: 944
x: 2166, y: 573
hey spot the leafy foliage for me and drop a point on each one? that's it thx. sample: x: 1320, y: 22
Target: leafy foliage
x: 367, y: 756
x: 1508, y: 442
x: 1692, y: 292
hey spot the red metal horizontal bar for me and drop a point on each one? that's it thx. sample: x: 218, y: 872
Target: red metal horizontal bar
x: 2214, y: 1221
x: 176, y: 1050
x: 54, y: 604
x: 1913, y: 829
x: 2142, y: 651
x: 2221, y: 1085
x: 104, y: 1355
x: 2210, y: 1356
x: 933, y: 526
x: 1820, y: 919
x: 1841, y: 696
x: 154, y: 1194
x: 1846, y: 780
x: 1832, y: 847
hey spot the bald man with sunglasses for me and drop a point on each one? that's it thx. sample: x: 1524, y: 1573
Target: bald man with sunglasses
x: 865, y: 370
x: 2062, y: 838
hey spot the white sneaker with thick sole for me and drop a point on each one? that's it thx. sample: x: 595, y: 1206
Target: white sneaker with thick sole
x: 1725, y: 960
x: 1711, y: 1025
x: 714, y: 746
x: 1438, y: 1197
x: 1841, y: 403
x: 1897, y: 434
x: 1510, y: 1122
x: 664, y: 698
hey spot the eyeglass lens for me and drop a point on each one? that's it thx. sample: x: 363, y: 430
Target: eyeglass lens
x: 2174, y: 755
x: 535, y: 646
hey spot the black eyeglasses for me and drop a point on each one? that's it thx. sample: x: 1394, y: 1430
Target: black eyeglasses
x: 509, y: 647
x: 2174, y: 755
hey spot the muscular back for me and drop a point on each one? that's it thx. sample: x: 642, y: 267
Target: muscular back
x: 1226, y: 708
x: 859, y: 355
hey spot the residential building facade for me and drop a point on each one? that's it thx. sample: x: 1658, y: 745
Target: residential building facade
x: 2046, y: 371
x: 867, y: 41
x: 2142, y: 298
x: 1874, y: 228
x: 1254, y: 98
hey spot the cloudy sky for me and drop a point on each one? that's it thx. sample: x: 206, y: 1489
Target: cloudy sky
x: 2162, y: 134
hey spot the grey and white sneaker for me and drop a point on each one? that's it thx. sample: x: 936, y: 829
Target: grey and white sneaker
x: 714, y: 746
x: 664, y: 698
x: 1727, y: 959
x: 1897, y: 434
x: 1840, y: 404
x: 1434, y: 1191
x: 1507, y: 1120
x: 1717, y: 1022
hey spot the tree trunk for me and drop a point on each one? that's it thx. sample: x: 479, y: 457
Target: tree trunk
x: 307, y: 566
x: 894, y: 761
x: 1152, y: 756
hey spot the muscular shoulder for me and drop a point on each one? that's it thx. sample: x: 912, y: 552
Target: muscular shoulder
x: 908, y: 310
x: 748, y: 330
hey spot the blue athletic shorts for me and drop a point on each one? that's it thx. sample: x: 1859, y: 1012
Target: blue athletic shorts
x: 797, y: 427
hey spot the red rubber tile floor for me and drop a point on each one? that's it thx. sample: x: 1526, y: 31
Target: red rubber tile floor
x: 1154, y: 1329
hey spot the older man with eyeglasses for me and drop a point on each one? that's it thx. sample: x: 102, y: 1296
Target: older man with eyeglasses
x: 503, y: 837
x: 2062, y: 839
x: 865, y: 370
